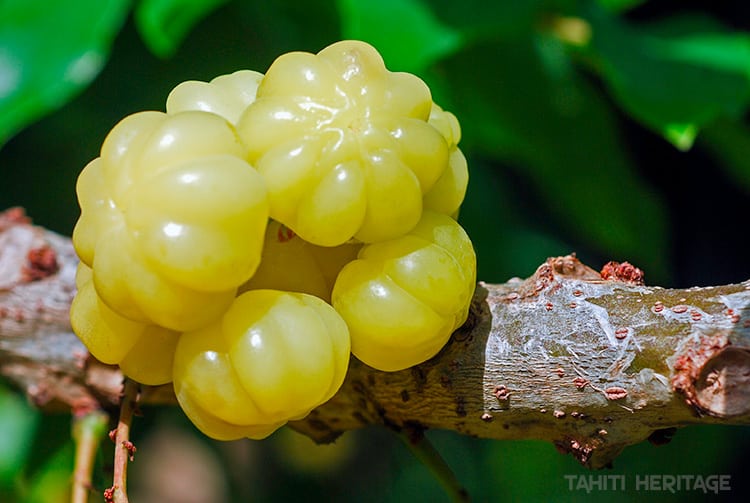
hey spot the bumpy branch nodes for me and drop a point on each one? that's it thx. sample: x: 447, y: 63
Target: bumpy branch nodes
x: 124, y: 448
x: 590, y: 361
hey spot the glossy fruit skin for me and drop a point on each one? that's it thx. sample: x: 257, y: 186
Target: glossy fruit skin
x: 227, y: 95
x: 172, y: 218
x: 291, y: 264
x: 213, y: 236
x: 143, y: 351
x: 273, y: 357
x: 404, y: 297
x: 344, y: 144
x: 448, y: 192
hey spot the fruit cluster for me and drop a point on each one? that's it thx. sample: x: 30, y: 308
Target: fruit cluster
x: 243, y: 243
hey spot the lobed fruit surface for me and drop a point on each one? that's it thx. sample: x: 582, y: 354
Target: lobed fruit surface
x: 213, y: 237
x: 273, y: 357
x: 290, y: 263
x: 143, y: 351
x: 404, y: 297
x: 345, y: 145
x: 172, y: 218
x: 448, y: 192
x: 227, y: 95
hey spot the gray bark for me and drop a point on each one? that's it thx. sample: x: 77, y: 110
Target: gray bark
x: 589, y: 361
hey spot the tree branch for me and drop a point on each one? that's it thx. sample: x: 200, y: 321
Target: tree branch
x: 590, y: 361
x: 124, y: 448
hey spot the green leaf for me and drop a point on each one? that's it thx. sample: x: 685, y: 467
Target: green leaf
x: 51, y: 484
x: 50, y: 50
x: 674, y: 76
x: 18, y: 424
x: 530, y: 110
x: 681, y: 136
x: 163, y: 24
x: 411, y: 44
x: 483, y: 20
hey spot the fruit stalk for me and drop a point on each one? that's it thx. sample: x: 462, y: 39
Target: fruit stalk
x: 124, y: 448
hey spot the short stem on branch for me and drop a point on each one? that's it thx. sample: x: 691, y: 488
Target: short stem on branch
x: 124, y: 448
x: 425, y: 452
x: 88, y: 431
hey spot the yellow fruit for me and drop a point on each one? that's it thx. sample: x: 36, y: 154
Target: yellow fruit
x: 292, y: 264
x: 448, y: 192
x: 273, y: 357
x: 403, y: 298
x: 143, y: 351
x: 172, y: 218
x: 212, y: 236
x: 344, y: 144
x: 226, y: 95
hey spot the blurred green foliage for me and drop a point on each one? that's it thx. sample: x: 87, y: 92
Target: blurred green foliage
x: 675, y: 75
x: 17, y: 429
x: 164, y: 23
x: 36, y: 453
x: 614, y: 128
x: 427, y: 38
x: 48, y: 52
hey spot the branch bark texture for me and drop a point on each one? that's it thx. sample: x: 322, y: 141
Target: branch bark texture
x: 591, y: 361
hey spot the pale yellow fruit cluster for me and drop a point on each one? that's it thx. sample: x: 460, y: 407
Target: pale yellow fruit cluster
x: 243, y: 243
